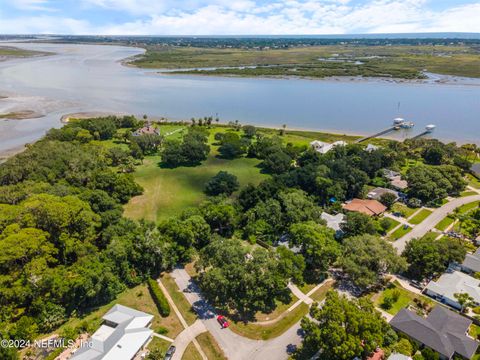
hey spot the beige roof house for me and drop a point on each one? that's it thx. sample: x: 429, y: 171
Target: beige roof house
x: 368, y: 207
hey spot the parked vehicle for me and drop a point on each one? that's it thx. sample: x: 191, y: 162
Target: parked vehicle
x: 170, y: 352
x: 222, y: 321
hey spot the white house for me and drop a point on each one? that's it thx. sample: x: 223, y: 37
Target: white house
x: 323, y: 147
x: 451, y: 283
x: 371, y: 148
x: 334, y: 222
x: 122, y: 335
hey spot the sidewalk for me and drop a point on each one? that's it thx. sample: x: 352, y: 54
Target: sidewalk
x: 189, y: 333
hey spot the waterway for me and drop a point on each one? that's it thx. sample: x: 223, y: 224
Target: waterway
x: 91, y: 78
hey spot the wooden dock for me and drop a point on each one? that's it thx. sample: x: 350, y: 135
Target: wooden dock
x: 383, y: 132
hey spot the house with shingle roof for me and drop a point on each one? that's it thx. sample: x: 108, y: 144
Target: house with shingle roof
x: 451, y: 283
x: 442, y: 331
x: 368, y: 207
x: 471, y: 263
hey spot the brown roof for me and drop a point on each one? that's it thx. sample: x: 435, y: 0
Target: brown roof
x: 377, y: 355
x: 369, y: 207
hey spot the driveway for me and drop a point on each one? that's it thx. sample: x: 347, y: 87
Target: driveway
x: 234, y: 346
x: 433, y: 219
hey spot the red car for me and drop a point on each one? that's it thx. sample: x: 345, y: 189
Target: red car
x: 222, y: 321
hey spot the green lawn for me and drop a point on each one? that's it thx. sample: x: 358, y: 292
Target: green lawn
x: 473, y: 181
x: 279, y: 310
x: 167, y: 192
x: 321, y: 292
x: 420, y: 216
x: 468, y: 207
x: 158, y: 343
x: 210, y: 347
x: 393, y: 224
x: 179, y: 299
x: 403, y: 209
x: 191, y: 353
x: 265, y: 332
x: 397, y: 234
x: 305, y: 288
x: 468, y: 193
x: 405, y: 298
x: 445, y: 223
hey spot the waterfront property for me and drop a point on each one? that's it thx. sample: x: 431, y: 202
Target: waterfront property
x: 368, y: 207
x: 323, y: 147
x: 148, y: 129
x: 451, y: 283
x: 442, y: 331
x: 122, y: 335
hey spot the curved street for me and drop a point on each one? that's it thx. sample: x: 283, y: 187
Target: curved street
x: 435, y: 217
x: 234, y: 346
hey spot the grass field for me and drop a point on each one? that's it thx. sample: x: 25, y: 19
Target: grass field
x: 179, y: 299
x: 405, y: 298
x: 265, y: 332
x: 279, y: 310
x: 170, y: 191
x: 445, y: 223
x: 473, y: 181
x: 420, y: 216
x: 397, y: 234
x: 393, y: 224
x: 321, y: 292
x: 10, y: 51
x: 320, y: 61
x: 210, y: 347
x: 468, y: 193
x: 403, y: 209
x: 468, y: 207
x: 159, y: 344
x: 167, y: 192
x: 191, y: 353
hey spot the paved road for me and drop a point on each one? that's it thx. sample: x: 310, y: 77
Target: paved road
x: 235, y: 346
x: 186, y: 337
x: 435, y: 217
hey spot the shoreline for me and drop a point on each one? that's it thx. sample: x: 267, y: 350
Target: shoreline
x: 435, y: 79
x: 64, y: 119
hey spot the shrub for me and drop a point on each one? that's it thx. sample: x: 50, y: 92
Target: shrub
x: 395, y: 295
x: 387, y: 302
x: 159, y: 298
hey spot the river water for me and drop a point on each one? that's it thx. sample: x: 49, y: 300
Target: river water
x: 82, y: 78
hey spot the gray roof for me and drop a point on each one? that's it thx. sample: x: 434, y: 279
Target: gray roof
x: 443, y: 331
x: 333, y: 221
x: 377, y: 193
x: 455, y: 282
x: 476, y: 169
x: 472, y: 261
x: 399, y: 357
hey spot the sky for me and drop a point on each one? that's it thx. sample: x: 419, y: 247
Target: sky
x: 237, y: 17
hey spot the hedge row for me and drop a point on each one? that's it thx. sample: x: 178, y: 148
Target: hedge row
x: 159, y: 298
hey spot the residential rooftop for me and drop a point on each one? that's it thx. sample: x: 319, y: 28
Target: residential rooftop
x: 368, y: 207
x: 124, y: 332
x: 455, y: 282
x: 442, y: 330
